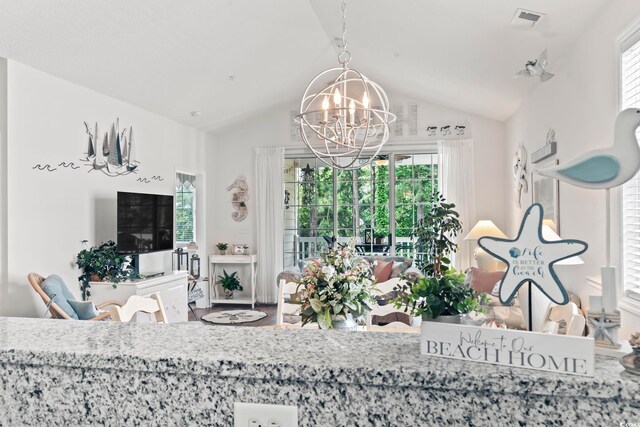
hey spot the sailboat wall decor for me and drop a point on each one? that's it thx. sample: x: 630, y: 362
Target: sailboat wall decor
x: 114, y: 153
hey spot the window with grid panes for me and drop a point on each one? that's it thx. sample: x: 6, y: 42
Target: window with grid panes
x: 322, y: 204
x: 630, y: 98
x: 185, y: 208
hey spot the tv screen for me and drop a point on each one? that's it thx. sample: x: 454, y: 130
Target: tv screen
x: 145, y: 223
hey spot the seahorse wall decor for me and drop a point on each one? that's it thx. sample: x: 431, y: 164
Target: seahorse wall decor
x: 520, y: 174
x: 240, y: 196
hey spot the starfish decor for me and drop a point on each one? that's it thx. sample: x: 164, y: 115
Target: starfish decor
x: 601, y: 326
x: 530, y: 258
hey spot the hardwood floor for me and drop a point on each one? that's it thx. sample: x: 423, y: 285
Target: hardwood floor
x: 270, y: 309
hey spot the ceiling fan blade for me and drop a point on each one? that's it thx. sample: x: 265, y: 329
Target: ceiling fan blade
x: 542, y: 59
x: 522, y: 73
x: 546, y: 76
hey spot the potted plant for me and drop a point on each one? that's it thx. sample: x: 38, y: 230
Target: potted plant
x: 435, y: 236
x: 440, y: 299
x: 379, y: 238
x: 222, y: 247
x: 336, y: 291
x: 103, y: 263
x: 229, y: 283
x: 441, y: 295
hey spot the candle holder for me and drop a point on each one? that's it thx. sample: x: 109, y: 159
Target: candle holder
x: 179, y: 260
x: 195, y: 266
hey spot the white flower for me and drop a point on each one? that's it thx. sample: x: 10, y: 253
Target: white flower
x: 329, y: 271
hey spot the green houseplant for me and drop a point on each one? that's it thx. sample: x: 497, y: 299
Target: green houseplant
x: 442, y: 294
x: 229, y: 283
x: 435, y: 235
x: 222, y: 247
x: 336, y: 291
x: 442, y: 298
x: 102, y: 263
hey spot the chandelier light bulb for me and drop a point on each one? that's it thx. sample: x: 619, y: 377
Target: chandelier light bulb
x: 365, y: 100
x: 337, y: 98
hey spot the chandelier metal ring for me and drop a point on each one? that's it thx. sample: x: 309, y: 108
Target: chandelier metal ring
x: 345, y: 122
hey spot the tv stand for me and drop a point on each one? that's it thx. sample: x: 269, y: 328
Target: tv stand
x: 172, y: 287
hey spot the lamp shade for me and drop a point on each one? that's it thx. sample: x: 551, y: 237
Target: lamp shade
x: 485, y: 228
x: 551, y: 236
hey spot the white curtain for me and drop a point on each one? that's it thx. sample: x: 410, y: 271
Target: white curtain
x: 455, y: 182
x: 269, y: 212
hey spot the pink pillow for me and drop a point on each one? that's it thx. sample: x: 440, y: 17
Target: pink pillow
x: 382, y: 270
x: 485, y: 281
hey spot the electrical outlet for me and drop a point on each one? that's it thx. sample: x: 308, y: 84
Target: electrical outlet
x: 262, y: 415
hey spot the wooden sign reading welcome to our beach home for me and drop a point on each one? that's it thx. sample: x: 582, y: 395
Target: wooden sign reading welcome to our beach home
x: 518, y: 349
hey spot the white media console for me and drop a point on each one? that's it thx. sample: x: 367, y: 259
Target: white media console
x: 172, y: 288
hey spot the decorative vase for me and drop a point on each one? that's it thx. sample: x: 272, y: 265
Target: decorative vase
x: 228, y: 294
x: 343, y: 323
x: 443, y: 318
x: 631, y: 361
x: 223, y: 252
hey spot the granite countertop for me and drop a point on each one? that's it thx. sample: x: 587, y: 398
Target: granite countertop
x: 371, y: 358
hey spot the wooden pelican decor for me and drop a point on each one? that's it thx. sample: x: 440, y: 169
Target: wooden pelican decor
x: 607, y: 167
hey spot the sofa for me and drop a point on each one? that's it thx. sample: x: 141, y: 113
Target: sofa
x: 401, y: 266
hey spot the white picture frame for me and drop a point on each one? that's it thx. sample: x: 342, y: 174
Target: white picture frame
x: 546, y: 191
x: 240, y: 249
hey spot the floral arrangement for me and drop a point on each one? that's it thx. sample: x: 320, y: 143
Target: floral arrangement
x: 338, y: 288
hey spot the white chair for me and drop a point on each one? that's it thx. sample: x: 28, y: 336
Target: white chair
x: 285, y: 290
x: 390, y: 308
x: 135, y: 303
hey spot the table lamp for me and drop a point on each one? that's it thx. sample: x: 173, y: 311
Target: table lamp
x: 484, y: 228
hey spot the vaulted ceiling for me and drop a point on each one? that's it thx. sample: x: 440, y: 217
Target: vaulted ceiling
x: 173, y: 57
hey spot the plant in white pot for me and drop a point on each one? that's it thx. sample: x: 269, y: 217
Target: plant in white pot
x: 441, y: 295
x: 229, y: 283
x: 337, y: 291
x: 440, y: 299
x: 222, y: 247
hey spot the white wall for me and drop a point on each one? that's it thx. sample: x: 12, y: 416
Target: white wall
x: 3, y: 180
x: 580, y: 103
x: 233, y: 154
x: 50, y: 213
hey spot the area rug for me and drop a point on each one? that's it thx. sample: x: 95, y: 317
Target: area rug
x: 232, y: 317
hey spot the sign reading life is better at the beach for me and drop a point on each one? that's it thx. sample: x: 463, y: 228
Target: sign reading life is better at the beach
x: 530, y: 258
x: 518, y: 349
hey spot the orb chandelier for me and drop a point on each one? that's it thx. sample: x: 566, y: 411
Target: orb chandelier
x: 344, y: 123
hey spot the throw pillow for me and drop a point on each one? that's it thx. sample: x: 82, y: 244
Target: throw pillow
x: 57, y: 290
x: 382, y: 270
x: 400, y: 267
x: 485, y: 281
x: 84, y: 309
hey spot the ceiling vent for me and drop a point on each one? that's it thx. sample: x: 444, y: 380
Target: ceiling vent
x: 527, y: 18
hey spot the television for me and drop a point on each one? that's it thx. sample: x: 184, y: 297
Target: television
x: 145, y: 223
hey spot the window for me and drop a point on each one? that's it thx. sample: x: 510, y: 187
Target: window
x: 629, y: 98
x: 376, y: 205
x: 185, y: 208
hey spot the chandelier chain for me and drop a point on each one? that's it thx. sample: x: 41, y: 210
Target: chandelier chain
x: 344, y: 25
x: 344, y: 57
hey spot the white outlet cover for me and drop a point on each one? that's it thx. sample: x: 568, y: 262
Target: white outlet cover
x: 262, y: 415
